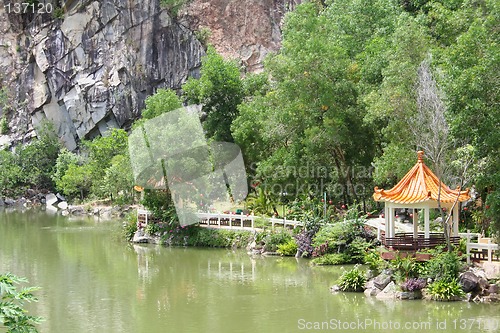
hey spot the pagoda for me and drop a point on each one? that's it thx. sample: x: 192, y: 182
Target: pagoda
x: 419, y: 190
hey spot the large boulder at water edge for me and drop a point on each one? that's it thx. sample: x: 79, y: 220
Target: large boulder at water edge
x: 468, y: 281
x: 382, y: 280
x: 51, y: 199
x: 389, y: 292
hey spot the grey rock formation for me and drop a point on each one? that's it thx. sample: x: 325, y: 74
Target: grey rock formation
x: 389, y: 292
x: 240, y: 29
x: 93, y: 68
x: 468, y: 281
x: 51, y: 199
x: 382, y: 280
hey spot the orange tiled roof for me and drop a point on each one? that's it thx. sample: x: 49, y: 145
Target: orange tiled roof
x: 418, y: 185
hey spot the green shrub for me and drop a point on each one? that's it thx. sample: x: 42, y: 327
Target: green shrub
x: 443, y: 290
x: 129, y: 229
x: 203, y: 35
x: 444, y: 266
x: 357, y: 249
x: 288, y: 249
x: 4, y: 126
x: 153, y: 228
x: 58, y: 13
x: 338, y: 235
x: 332, y: 259
x: 275, y: 238
x: 13, y: 316
x: 374, y: 261
x: 204, y: 237
x: 405, y: 268
x: 173, y: 6
x: 353, y: 280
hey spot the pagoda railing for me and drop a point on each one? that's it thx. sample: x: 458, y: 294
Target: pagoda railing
x: 407, y: 241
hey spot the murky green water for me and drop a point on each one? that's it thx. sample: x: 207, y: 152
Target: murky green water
x: 92, y: 282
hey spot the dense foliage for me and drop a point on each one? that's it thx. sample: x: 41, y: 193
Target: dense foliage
x: 30, y: 166
x: 352, y: 280
x: 362, y: 83
x: 357, y: 87
x: 442, y: 290
x: 13, y: 316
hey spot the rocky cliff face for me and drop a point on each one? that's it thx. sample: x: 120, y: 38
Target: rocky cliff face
x: 245, y: 30
x: 93, y: 68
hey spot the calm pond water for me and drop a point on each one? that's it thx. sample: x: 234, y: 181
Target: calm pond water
x: 93, y: 282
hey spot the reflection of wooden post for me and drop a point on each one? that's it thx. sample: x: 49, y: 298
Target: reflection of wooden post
x: 468, y: 248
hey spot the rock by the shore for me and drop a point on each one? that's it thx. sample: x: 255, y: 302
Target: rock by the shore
x: 9, y: 201
x: 382, y: 280
x: 140, y: 237
x: 63, y: 205
x: 370, y: 289
x: 491, y: 270
x: 410, y: 295
x: 76, y: 210
x: 389, y: 292
x: 494, y: 289
x: 468, y: 281
x: 50, y: 199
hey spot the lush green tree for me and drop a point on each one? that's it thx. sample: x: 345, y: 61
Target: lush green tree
x: 220, y: 91
x: 37, y: 159
x: 31, y: 165
x: 471, y: 68
x: 150, y: 144
x: 13, y: 316
x: 119, y: 179
x: 100, y: 154
x: 163, y: 101
x: 77, y: 181
x: 64, y: 160
x: 310, y: 112
x: 10, y: 176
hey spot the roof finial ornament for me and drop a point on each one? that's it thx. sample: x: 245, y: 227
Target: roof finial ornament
x: 420, y: 155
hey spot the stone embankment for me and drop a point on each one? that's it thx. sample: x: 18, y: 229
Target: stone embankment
x: 57, y: 203
x: 479, y: 284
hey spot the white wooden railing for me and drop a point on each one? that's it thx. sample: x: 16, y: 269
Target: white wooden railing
x: 482, y: 244
x: 237, y: 220
x: 231, y: 220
